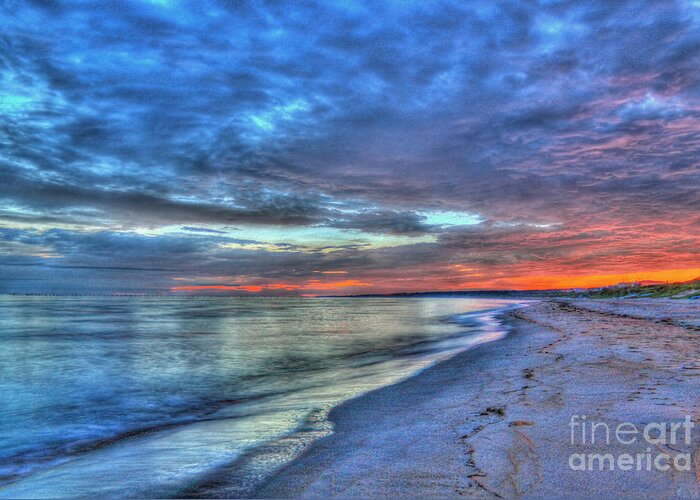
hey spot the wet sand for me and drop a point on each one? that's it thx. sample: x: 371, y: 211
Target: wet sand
x: 494, y: 421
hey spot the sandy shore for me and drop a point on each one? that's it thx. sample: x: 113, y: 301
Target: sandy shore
x: 495, y: 421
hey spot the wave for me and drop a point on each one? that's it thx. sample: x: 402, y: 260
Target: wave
x: 196, y: 445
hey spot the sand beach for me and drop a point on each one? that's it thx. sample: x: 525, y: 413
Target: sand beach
x: 505, y: 419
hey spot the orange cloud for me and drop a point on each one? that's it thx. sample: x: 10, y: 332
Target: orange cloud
x: 195, y: 288
x: 598, y: 280
x: 334, y: 285
x: 282, y: 286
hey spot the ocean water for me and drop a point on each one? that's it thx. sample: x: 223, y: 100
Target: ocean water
x: 146, y: 397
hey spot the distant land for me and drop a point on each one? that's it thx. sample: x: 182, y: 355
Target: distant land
x: 652, y: 289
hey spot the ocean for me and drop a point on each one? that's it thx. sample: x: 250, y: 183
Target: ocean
x: 149, y: 396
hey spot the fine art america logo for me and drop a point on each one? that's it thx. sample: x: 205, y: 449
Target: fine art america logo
x: 657, y: 446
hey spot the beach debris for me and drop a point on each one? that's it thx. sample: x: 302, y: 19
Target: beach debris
x: 494, y: 410
x: 520, y: 423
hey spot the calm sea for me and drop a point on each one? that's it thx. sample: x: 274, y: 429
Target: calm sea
x: 117, y: 396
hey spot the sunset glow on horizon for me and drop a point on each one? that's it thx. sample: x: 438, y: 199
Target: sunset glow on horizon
x: 315, y: 287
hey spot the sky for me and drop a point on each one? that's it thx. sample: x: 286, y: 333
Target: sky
x: 325, y: 148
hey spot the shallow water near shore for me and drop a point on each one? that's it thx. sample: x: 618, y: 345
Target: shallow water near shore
x: 146, y: 396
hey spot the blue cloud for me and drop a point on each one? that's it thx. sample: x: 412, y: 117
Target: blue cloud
x: 119, y: 116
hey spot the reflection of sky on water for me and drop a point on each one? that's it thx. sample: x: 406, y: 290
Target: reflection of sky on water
x: 80, y: 372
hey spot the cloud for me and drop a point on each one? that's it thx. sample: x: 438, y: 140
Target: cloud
x: 198, y: 114
x: 202, y: 230
x: 385, y: 222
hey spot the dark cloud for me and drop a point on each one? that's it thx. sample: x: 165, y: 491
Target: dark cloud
x: 202, y: 230
x: 383, y: 222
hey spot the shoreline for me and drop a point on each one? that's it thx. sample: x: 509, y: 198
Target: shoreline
x: 490, y: 421
x: 493, y: 421
x: 186, y: 456
x: 250, y: 472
